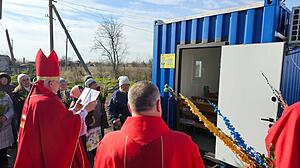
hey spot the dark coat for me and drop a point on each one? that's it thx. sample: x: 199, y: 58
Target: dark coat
x: 19, y: 96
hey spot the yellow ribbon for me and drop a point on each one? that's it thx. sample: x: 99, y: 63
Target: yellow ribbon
x: 228, y: 141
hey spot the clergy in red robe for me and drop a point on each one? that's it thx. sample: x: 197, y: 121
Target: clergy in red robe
x: 49, y: 133
x: 284, y: 136
x: 145, y: 141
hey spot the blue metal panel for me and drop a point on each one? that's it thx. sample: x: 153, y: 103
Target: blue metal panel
x: 296, y: 90
x: 173, y: 50
x: 241, y: 27
x: 183, y: 32
x: 165, y: 73
x: 286, y: 22
x: 212, y: 29
x: 173, y: 39
x: 283, y: 88
x: 162, y: 73
x: 219, y: 28
x: 298, y: 80
x: 199, y: 30
x: 290, y: 85
x: 233, y: 28
x: 188, y: 32
x: 172, y: 78
x: 289, y: 81
x: 284, y: 78
x: 163, y: 51
x: 226, y: 25
x: 168, y: 38
x: 257, y: 26
x: 292, y: 80
x: 248, y: 35
x: 205, y: 32
x: 178, y: 35
x: 269, y: 22
x: 194, y: 31
x: 156, y: 58
x: 281, y: 19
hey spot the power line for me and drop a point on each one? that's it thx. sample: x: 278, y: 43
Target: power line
x: 102, y: 18
x: 103, y: 10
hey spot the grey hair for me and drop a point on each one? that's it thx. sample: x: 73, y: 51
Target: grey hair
x: 46, y: 83
x: 142, y: 96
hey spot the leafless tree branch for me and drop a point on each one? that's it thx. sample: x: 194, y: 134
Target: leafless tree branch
x: 110, y: 40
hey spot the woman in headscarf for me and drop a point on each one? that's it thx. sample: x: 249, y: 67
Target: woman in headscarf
x: 20, y: 94
x: 5, y: 84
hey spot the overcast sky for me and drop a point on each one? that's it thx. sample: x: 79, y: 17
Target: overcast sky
x: 27, y: 23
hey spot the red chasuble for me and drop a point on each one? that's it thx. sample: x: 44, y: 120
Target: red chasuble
x: 49, y: 133
x: 285, y: 137
x: 147, y: 142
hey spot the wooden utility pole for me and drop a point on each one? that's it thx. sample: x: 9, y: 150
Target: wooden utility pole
x: 71, y: 40
x: 10, y: 47
x: 0, y: 9
x: 51, y: 25
x: 66, y: 61
x: 11, y: 50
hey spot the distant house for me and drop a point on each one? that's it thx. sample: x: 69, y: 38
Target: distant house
x: 5, y: 63
x: 91, y: 64
x: 29, y: 67
x: 76, y: 63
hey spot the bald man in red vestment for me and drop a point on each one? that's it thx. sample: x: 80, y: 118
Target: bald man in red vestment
x: 49, y: 133
x: 145, y: 141
x: 284, y: 136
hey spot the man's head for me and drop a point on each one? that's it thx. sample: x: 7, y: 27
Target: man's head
x: 144, y: 99
x: 124, y: 83
x: 52, y: 85
x: 24, y: 80
x: 91, y: 83
x: 76, y: 91
x: 62, y: 84
x: 47, y: 70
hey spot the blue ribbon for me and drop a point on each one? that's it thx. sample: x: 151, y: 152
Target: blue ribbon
x: 238, y: 139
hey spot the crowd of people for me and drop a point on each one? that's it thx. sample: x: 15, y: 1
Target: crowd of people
x: 45, y: 121
x: 51, y: 128
x: 11, y: 103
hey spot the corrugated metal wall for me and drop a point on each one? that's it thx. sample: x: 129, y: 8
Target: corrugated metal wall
x: 253, y: 25
x: 290, y: 85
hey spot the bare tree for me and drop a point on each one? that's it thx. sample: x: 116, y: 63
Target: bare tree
x: 110, y: 40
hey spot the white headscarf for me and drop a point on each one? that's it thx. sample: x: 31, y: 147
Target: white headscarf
x: 123, y: 80
x: 22, y: 76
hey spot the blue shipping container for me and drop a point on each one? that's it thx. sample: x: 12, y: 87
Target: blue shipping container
x: 256, y: 23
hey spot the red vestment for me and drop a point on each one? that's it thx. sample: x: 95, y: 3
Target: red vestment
x: 147, y: 142
x: 285, y: 138
x: 49, y: 133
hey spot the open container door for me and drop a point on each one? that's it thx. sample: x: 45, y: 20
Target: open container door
x: 244, y: 96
